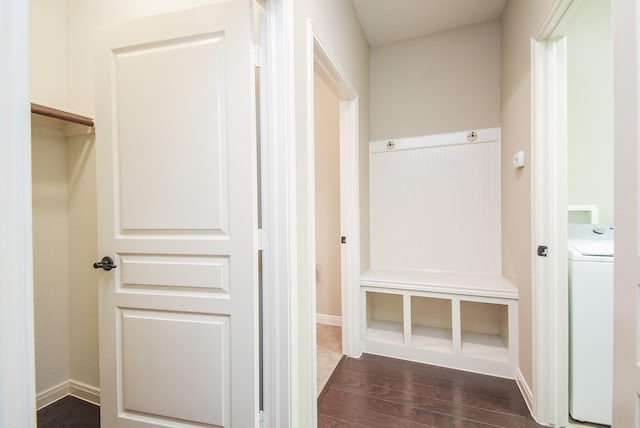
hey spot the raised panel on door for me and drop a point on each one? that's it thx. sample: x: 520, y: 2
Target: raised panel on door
x: 177, y: 212
x: 181, y: 358
x: 169, y: 98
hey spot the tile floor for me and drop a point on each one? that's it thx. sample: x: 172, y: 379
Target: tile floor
x: 329, y: 352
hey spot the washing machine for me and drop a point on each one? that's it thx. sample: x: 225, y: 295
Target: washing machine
x: 591, y: 322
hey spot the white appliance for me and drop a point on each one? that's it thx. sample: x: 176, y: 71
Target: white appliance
x: 591, y: 322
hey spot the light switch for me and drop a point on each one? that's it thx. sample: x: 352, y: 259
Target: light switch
x: 518, y: 160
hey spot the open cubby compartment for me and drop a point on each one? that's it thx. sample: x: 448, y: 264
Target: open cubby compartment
x: 485, y: 330
x: 431, y: 323
x: 385, y: 317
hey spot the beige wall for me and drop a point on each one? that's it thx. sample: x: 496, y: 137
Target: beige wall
x: 444, y: 82
x: 50, y: 196
x: 590, y: 107
x: 339, y: 30
x: 83, y: 279
x: 327, y: 175
x: 48, y: 52
x: 519, y: 21
x: 64, y: 242
x: 50, y: 256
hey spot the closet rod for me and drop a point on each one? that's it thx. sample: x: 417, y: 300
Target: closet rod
x: 61, y: 115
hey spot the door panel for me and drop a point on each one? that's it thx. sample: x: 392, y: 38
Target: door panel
x: 177, y: 211
x: 168, y: 274
x: 153, y: 85
x: 187, y: 358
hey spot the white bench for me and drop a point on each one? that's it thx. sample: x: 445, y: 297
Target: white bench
x: 458, y: 320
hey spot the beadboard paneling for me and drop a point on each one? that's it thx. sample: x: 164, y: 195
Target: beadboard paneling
x: 437, y: 208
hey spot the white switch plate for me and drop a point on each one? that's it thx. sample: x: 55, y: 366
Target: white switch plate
x: 518, y: 160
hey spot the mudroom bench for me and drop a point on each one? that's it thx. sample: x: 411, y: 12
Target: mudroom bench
x: 460, y: 320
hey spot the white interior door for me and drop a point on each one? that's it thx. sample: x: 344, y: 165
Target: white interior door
x: 176, y: 154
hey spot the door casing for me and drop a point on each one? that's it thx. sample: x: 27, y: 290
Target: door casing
x: 320, y: 60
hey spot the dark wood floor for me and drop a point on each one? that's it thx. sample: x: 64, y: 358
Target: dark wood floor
x: 375, y: 391
x: 69, y: 412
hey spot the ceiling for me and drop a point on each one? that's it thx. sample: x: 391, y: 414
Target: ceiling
x: 387, y: 21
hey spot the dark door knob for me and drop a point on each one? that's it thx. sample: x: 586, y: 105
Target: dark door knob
x: 106, y: 263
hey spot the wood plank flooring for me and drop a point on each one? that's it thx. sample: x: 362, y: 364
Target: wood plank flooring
x: 69, y: 412
x: 375, y: 391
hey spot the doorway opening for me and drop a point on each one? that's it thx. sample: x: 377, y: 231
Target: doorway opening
x: 333, y: 196
x: 328, y: 237
x: 572, y: 190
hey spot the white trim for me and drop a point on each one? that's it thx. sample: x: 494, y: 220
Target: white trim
x: 463, y: 283
x: 17, y: 368
x: 552, y: 18
x: 52, y: 395
x: 349, y: 187
x: 84, y: 392
x: 76, y: 389
x: 279, y: 205
x: 488, y: 135
x: 350, y: 225
x: 310, y: 225
x: 549, y: 220
x: 525, y: 390
x: 326, y: 319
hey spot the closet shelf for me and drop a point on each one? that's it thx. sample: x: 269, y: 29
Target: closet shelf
x: 72, y: 123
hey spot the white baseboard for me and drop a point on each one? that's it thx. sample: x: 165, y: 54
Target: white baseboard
x: 77, y: 389
x: 525, y: 390
x: 329, y: 319
x: 52, y: 395
x: 84, y: 392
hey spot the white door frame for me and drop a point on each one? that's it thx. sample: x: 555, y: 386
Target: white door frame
x: 349, y: 187
x: 549, y: 219
x: 626, y: 54
x: 279, y: 213
x: 17, y: 367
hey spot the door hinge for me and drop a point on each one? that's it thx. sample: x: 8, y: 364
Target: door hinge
x: 257, y: 56
x: 542, y: 250
x: 261, y: 417
x: 260, y: 240
x: 343, y: 239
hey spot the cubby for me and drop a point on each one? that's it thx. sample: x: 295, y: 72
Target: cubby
x: 468, y: 322
x: 431, y: 326
x: 385, y: 317
x: 485, y: 330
